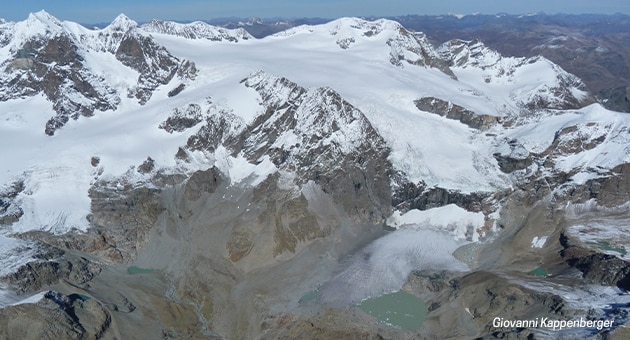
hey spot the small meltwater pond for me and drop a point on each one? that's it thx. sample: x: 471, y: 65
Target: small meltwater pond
x: 539, y: 272
x: 401, y: 310
x: 137, y: 270
x: 605, y: 245
x: 612, y: 237
x: 310, y: 296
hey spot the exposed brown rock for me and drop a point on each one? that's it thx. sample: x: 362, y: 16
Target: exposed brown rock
x: 182, y: 119
x: 147, y: 166
x: 38, y: 274
x: 474, y: 300
x: 122, y: 216
x: 456, y: 112
x: 596, y: 268
x: 419, y: 196
x: 57, y: 316
x: 203, y: 182
x: 288, y: 215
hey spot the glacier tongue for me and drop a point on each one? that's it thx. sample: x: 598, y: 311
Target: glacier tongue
x: 384, y: 265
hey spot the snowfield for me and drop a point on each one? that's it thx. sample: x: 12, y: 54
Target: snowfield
x: 459, y: 223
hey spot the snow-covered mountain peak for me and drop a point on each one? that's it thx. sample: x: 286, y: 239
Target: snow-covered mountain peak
x: 364, y: 27
x: 122, y: 23
x: 350, y: 27
x: 380, y: 39
x: 44, y: 18
x: 531, y: 83
x: 314, y: 112
x: 37, y: 24
x: 197, y: 30
x: 308, y: 116
x: 79, y: 70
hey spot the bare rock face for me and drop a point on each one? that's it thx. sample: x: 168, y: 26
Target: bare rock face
x: 147, y: 166
x: 182, y: 119
x: 510, y: 164
x: 220, y: 128
x: 596, y: 267
x: 57, y: 316
x: 478, y: 297
x: 202, y: 182
x: 453, y: 111
x: 38, y: 274
x: 289, y: 215
x: 332, y: 144
x: 575, y: 139
x: 122, y: 216
x: 155, y: 64
x: 418, y: 196
x: 604, y: 269
x: 612, y: 190
x: 518, y: 158
x: 9, y: 211
x: 615, y: 189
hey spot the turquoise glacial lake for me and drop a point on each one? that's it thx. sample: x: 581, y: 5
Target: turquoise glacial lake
x: 401, y: 310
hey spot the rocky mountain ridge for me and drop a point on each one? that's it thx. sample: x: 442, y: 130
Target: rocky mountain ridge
x: 45, y: 56
x: 196, y: 30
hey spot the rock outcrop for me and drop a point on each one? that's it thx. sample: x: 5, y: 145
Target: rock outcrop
x: 36, y: 275
x: 453, y: 111
x: 202, y: 182
x: 608, y: 270
x: 122, y: 217
x: 57, y: 316
x: 419, y: 196
x: 10, y: 212
x: 479, y: 297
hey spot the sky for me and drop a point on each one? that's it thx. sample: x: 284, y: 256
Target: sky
x: 188, y: 10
